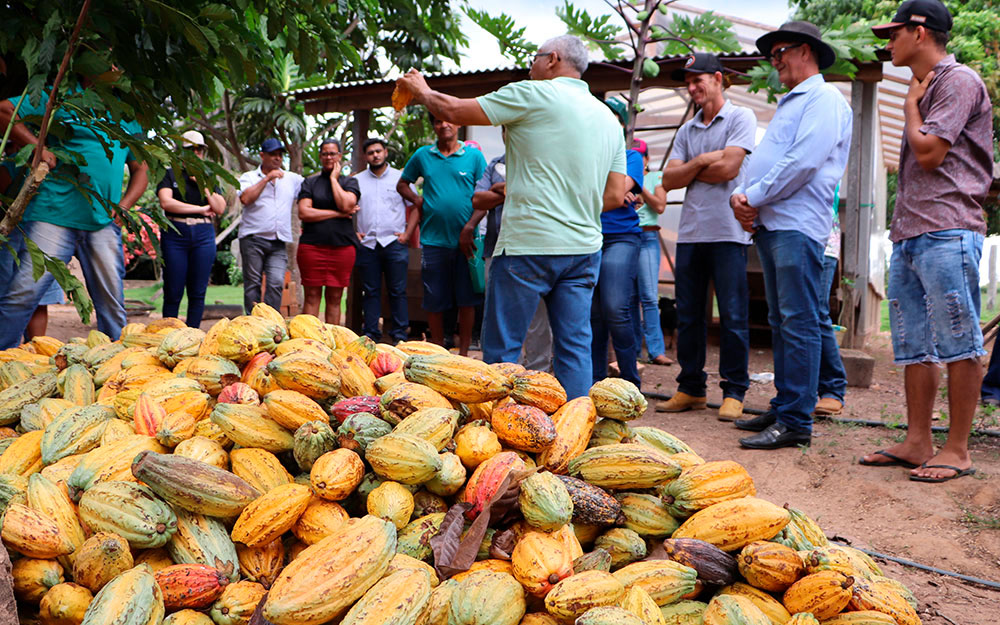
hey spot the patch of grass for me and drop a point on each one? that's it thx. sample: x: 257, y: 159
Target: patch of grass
x: 153, y: 296
x: 981, y: 522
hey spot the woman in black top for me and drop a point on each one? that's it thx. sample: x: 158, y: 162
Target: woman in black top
x: 328, y: 243
x: 188, y: 253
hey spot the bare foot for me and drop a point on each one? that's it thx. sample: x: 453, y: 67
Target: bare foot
x: 902, y: 451
x: 943, y: 458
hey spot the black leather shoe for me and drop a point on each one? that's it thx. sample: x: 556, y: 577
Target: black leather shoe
x: 775, y: 437
x: 758, y: 423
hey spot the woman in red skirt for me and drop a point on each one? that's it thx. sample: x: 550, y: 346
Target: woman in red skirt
x: 327, y: 246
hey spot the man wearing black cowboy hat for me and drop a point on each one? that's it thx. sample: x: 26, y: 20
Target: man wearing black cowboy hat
x: 707, y: 159
x: 785, y: 200
x: 945, y: 172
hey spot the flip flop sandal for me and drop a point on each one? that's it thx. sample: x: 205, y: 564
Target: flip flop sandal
x: 937, y: 480
x: 894, y: 461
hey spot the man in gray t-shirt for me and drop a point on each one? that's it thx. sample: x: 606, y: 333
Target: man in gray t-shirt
x: 707, y: 158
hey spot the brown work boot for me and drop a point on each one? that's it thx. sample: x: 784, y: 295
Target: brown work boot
x: 731, y: 409
x: 681, y: 402
x: 828, y: 407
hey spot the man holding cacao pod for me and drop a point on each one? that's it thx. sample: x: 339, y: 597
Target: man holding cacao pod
x: 945, y: 172
x: 550, y: 238
x: 785, y: 201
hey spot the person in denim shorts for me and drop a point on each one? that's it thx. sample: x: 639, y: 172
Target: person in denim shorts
x: 945, y: 170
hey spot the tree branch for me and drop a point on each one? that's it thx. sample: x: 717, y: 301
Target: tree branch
x: 620, y: 69
x: 350, y: 27
x: 227, y: 112
x: 70, y: 48
x: 28, y: 191
x: 39, y: 170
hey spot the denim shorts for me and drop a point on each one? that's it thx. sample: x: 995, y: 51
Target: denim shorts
x: 447, y: 282
x: 934, y: 297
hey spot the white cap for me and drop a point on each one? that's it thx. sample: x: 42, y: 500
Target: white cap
x: 192, y: 138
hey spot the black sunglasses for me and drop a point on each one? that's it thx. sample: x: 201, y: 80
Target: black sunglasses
x: 780, y: 52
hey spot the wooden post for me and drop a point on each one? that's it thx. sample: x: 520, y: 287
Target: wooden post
x: 856, y: 219
x: 360, y: 124
x: 991, y: 303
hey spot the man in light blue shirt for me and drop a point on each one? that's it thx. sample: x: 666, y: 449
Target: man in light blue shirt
x: 550, y: 239
x: 785, y: 199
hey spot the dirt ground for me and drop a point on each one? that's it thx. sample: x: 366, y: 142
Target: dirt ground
x: 953, y: 526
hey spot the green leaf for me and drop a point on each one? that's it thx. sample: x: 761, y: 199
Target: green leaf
x: 596, y: 30
x: 216, y: 12
x: 90, y: 63
x: 509, y: 37
x: 195, y: 37
x: 650, y: 68
x: 37, y: 259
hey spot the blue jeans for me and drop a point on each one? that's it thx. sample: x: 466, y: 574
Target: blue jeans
x: 793, y: 269
x: 100, y: 256
x: 649, y: 293
x: 832, y: 377
x: 392, y: 261
x: 566, y: 283
x: 188, y: 255
x: 263, y: 257
x: 934, y: 297
x: 612, y: 307
x: 725, y: 266
x: 8, y: 265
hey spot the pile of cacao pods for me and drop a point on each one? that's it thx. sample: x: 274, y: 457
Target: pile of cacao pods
x: 291, y: 472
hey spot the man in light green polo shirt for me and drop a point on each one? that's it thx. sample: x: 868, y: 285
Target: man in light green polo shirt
x: 565, y: 165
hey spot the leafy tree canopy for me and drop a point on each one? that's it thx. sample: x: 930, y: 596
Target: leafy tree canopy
x: 162, y: 62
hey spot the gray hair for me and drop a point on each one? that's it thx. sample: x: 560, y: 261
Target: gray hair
x: 571, y: 49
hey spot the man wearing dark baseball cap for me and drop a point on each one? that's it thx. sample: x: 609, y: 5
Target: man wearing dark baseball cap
x: 930, y: 14
x: 786, y: 200
x: 698, y: 63
x: 707, y: 160
x: 268, y: 195
x: 945, y: 172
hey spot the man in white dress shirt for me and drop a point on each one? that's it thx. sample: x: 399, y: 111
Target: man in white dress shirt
x: 268, y: 194
x: 383, y: 251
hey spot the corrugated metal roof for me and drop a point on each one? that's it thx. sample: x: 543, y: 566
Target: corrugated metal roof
x: 375, y: 81
x: 627, y: 63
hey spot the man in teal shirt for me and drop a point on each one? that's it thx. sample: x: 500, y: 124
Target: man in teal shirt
x: 565, y: 165
x: 65, y: 222
x: 450, y: 171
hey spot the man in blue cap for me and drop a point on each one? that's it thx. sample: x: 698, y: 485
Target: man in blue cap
x: 785, y: 200
x: 268, y: 195
x: 945, y: 172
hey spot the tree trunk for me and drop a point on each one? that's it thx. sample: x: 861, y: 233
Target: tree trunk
x: 640, y: 57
